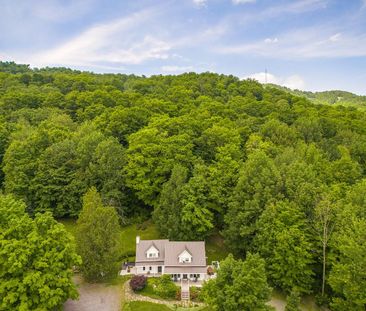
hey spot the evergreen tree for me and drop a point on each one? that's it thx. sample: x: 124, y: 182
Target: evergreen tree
x: 259, y: 183
x: 97, y: 237
x: 168, y: 213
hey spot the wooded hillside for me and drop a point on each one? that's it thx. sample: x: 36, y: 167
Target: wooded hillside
x: 277, y: 174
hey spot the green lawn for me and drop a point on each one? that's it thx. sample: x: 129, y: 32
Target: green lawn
x: 144, y: 306
x: 148, y: 306
x: 149, y: 291
x: 215, y: 248
x: 147, y: 231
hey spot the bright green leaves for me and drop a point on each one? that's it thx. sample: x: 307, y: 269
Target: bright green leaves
x: 240, y: 285
x: 97, y: 237
x: 284, y: 241
x: 36, y: 259
x: 151, y: 156
x: 259, y: 183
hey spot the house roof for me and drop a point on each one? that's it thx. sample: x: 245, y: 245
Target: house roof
x: 143, y: 246
x: 195, y: 248
x: 169, y: 252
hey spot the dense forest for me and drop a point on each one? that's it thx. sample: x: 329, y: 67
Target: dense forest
x: 279, y: 176
x: 335, y: 97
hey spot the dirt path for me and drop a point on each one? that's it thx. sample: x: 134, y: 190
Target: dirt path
x: 278, y: 304
x: 95, y: 297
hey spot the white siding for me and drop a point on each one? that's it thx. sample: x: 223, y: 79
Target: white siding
x: 148, y: 270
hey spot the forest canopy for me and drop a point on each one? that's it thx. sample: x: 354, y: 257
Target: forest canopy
x: 270, y: 170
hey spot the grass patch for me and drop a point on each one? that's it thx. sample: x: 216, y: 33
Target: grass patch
x: 145, y: 306
x: 149, y: 306
x: 146, y: 230
x: 215, y: 248
x: 152, y: 289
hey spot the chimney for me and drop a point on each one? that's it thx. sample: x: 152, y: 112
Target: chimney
x: 137, y: 239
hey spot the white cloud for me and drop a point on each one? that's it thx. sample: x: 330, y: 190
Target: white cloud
x: 243, y: 1
x: 174, y: 68
x: 271, y: 40
x: 200, y: 3
x: 335, y: 37
x: 313, y: 42
x: 112, y: 44
x: 299, y: 6
x: 292, y: 82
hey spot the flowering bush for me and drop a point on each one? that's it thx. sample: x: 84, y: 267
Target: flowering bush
x: 138, y: 282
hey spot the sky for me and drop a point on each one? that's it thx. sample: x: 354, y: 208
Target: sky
x: 306, y: 44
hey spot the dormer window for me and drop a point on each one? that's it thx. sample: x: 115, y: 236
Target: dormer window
x: 185, y: 257
x: 152, y: 252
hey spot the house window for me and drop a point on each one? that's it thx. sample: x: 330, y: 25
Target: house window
x: 143, y: 268
x: 150, y: 268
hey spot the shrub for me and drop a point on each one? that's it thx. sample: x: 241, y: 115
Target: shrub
x: 165, y: 287
x: 210, y: 271
x: 194, y: 293
x: 138, y: 282
x: 178, y: 294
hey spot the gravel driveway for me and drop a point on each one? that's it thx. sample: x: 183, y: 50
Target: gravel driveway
x: 95, y: 297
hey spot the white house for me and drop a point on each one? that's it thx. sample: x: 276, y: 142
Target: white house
x: 183, y: 260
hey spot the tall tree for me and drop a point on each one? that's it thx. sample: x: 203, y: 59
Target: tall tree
x: 97, y: 237
x: 324, y: 223
x: 197, y: 214
x: 240, y: 285
x: 36, y: 259
x: 151, y: 156
x: 168, y: 213
x: 259, y: 183
x: 348, y: 274
x: 283, y: 239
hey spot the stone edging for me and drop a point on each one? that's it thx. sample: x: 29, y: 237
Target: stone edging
x: 130, y: 295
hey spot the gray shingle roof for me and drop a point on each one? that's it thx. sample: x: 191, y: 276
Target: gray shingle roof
x: 196, y: 249
x: 144, y: 245
x: 170, y: 250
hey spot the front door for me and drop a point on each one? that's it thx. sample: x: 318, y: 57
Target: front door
x: 185, y: 276
x: 159, y: 269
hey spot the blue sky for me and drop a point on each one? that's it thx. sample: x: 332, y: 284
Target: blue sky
x: 306, y: 44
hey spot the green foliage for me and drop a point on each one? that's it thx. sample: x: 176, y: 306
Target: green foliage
x: 36, y: 259
x: 165, y: 287
x: 145, y: 306
x: 348, y: 276
x: 240, y: 285
x: 259, y: 183
x: 293, y: 301
x: 160, y: 288
x: 97, y: 237
x: 203, y: 153
x: 168, y: 213
x: 284, y: 241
